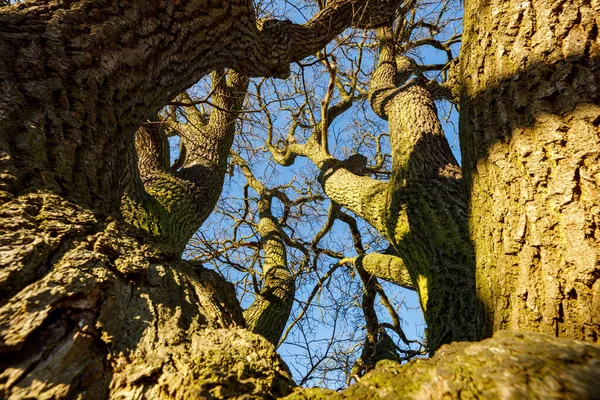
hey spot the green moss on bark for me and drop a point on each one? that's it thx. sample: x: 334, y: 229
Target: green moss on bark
x: 507, y: 366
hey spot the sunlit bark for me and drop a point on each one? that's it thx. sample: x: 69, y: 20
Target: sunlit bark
x: 269, y: 312
x: 90, y: 304
x: 530, y: 139
x: 175, y: 200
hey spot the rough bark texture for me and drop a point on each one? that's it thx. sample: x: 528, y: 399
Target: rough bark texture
x: 507, y: 366
x: 92, y: 307
x: 90, y: 72
x: 88, y: 308
x: 388, y: 267
x: 422, y: 211
x: 427, y: 218
x: 174, y: 202
x: 269, y: 313
x: 530, y: 140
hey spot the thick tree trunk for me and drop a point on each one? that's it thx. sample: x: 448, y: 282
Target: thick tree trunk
x: 530, y: 140
x: 427, y: 218
x: 89, y: 72
x: 170, y: 203
x: 507, y: 366
x: 89, y: 308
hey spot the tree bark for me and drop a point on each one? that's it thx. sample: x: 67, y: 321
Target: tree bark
x: 89, y: 308
x: 90, y: 72
x: 530, y: 141
x: 171, y: 203
x: 389, y: 267
x: 422, y: 211
x: 507, y: 366
x: 269, y: 312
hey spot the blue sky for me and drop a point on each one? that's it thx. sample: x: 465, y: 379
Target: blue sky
x: 338, y: 315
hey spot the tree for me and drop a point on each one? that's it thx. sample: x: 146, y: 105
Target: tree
x: 530, y: 165
x: 96, y: 300
x: 422, y: 206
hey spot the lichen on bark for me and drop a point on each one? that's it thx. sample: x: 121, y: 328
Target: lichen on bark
x: 89, y: 309
x: 507, y: 366
x: 269, y: 312
x: 170, y: 202
x: 422, y: 210
x: 93, y: 307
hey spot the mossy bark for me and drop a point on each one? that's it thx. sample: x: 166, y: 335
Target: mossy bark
x: 92, y: 306
x: 507, y: 366
x: 90, y: 72
x: 422, y: 210
x: 270, y: 311
x: 388, y: 267
x: 530, y: 140
x: 89, y: 308
x: 168, y: 202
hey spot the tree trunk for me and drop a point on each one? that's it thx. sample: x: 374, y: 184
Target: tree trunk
x: 422, y: 210
x: 88, y: 308
x: 270, y: 311
x: 174, y: 202
x: 507, y: 366
x: 530, y: 141
x: 90, y: 305
x: 90, y: 72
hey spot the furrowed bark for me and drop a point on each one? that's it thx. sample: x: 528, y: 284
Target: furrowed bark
x: 89, y: 308
x: 508, y: 366
x: 530, y: 140
x: 173, y: 204
x: 90, y: 72
x: 268, y: 314
x: 422, y: 210
x: 364, y: 196
x: 427, y: 218
x: 90, y: 305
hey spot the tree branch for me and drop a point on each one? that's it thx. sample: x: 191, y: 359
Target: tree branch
x: 268, y: 314
x: 177, y: 201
